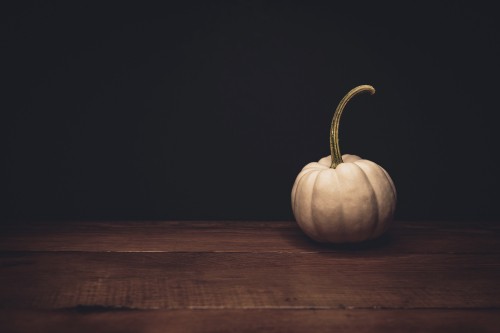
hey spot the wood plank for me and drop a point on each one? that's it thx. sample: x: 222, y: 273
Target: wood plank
x: 266, y: 321
x: 240, y: 236
x: 248, y: 280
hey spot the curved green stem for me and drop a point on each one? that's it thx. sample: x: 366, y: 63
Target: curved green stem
x: 334, y: 131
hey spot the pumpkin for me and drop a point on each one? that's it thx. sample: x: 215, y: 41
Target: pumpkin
x: 343, y: 198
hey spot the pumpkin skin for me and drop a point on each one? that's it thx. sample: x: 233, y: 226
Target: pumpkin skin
x: 353, y: 202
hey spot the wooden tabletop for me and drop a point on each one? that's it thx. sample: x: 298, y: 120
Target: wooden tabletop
x: 246, y: 276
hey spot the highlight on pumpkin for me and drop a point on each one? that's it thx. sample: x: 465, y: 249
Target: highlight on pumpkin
x: 334, y: 130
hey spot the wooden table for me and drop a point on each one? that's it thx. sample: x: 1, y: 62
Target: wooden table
x: 204, y: 276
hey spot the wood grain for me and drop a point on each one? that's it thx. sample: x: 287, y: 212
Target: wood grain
x: 248, y: 280
x: 224, y: 276
x: 265, y: 321
x: 229, y: 236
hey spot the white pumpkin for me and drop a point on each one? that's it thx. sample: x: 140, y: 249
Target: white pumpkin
x: 343, y: 199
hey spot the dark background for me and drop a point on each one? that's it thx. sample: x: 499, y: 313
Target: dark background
x: 208, y: 110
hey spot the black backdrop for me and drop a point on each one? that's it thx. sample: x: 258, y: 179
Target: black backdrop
x: 208, y: 110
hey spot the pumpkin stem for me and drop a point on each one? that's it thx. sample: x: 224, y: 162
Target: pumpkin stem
x: 334, y: 131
